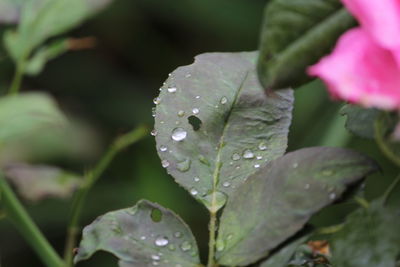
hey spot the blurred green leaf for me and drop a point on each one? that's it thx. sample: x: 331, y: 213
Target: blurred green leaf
x: 144, y: 235
x: 216, y: 126
x: 276, y: 202
x: 360, y: 121
x: 22, y: 115
x: 370, y: 238
x: 38, y: 182
x: 294, y: 35
x: 42, y: 19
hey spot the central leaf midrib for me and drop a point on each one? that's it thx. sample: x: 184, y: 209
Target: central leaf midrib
x: 218, y: 163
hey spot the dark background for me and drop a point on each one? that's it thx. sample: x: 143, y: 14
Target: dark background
x: 109, y: 90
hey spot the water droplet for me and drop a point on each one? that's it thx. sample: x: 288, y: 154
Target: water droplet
x: 178, y: 234
x: 188, y: 75
x: 223, y: 100
x: 162, y: 122
x: 203, y: 160
x: 178, y: 134
x: 256, y: 166
x: 171, y: 247
x: 161, y: 241
x: 197, y: 97
x: 307, y: 186
x: 248, y: 154
x: 332, y: 196
x: 195, y: 111
x: 153, y: 112
x: 171, y: 89
x: 163, y: 148
x: 220, y: 245
x: 236, y: 156
x: 295, y: 165
x: 153, y: 132
x: 157, y: 100
x: 184, y: 166
x: 196, y: 179
x: 226, y: 184
x: 262, y: 146
x: 214, y: 201
x: 259, y: 157
x: 193, y: 191
x: 165, y: 163
x: 181, y: 113
x: 186, y: 246
x: 155, y: 257
x: 143, y: 237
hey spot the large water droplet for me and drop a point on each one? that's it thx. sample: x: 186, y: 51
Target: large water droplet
x: 262, y: 146
x: 157, y: 100
x: 153, y: 132
x: 163, y: 148
x: 193, y: 191
x: 171, y: 89
x: 236, y: 156
x: 161, y: 241
x: 223, y: 100
x: 248, y: 154
x: 214, y: 201
x: 181, y: 113
x: 196, y: 111
x: 165, y: 163
x: 186, y: 246
x: 178, y: 134
x: 184, y: 166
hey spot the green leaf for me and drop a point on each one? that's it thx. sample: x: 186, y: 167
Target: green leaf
x: 144, y: 235
x: 360, y: 121
x: 386, y: 135
x: 370, y: 238
x: 216, y: 126
x: 42, y: 19
x: 280, y: 198
x: 22, y: 115
x: 295, y: 34
x: 35, y: 183
x: 283, y: 256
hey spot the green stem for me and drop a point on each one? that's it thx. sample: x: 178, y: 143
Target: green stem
x: 89, y: 180
x: 379, y: 135
x: 211, y: 243
x: 16, y: 82
x: 390, y: 189
x: 27, y: 227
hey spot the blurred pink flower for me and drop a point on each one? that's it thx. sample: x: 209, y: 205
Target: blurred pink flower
x: 360, y: 71
x: 364, y: 67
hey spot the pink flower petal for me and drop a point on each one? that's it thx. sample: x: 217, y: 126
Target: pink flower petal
x: 381, y: 18
x: 360, y: 71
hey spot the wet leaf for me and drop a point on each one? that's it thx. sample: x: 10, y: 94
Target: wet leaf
x: 238, y: 128
x: 24, y: 114
x: 42, y: 19
x: 139, y: 238
x: 295, y: 35
x: 360, y: 121
x: 276, y: 202
x: 35, y: 183
x: 370, y: 238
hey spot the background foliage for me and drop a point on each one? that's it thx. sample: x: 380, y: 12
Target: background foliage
x: 110, y: 89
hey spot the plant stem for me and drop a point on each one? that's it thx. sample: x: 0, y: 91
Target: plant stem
x: 89, y: 180
x: 16, y: 83
x: 27, y: 227
x: 390, y: 189
x: 211, y: 242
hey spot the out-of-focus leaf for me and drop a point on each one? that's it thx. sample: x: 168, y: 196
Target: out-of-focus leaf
x: 296, y: 34
x: 276, y: 202
x: 35, y: 183
x: 370, y: 238
x: 283, y: 256
x: 216, y: 126
x: 360, y: 121
x: 144, y: 235
x: 42, y: 19
x: 385, y: 128
x: 36, y: 63
x: 22, y: 115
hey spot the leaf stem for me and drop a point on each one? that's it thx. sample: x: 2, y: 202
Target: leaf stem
x: 25, y: 225
x: 379, y: 135
x: 89, y: 180
x: 16, y: 82
x: 390, y: 189
x: 211, y: 243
